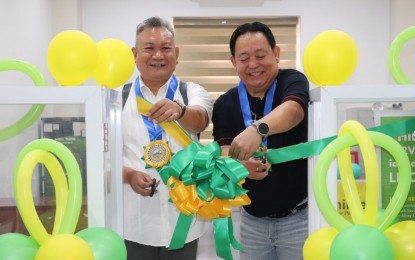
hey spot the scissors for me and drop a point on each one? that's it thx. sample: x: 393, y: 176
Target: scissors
x: 154, y: 186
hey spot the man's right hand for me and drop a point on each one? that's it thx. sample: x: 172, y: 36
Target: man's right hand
x: 140, y: 182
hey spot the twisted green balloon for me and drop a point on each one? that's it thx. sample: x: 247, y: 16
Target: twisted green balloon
x: 36, y: 110
x: 394, y: 60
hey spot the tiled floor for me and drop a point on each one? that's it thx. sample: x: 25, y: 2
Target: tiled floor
x: 207, y: 250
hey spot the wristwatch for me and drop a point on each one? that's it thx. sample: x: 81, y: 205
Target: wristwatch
x: 182, y: 106
x: 262, y: 128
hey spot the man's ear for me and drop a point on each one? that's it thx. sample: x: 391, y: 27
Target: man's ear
x: 232, y: 58
x: 277, y: 53
x: 177, y: 55
x: 134, y: 50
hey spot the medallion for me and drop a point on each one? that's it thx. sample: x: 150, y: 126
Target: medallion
x: 157, y: 154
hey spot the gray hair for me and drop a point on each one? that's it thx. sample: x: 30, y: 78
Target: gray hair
x: 152, y: 23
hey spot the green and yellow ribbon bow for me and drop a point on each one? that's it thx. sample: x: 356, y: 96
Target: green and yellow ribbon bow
x: 203, y: 183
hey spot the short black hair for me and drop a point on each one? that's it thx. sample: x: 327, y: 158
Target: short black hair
x: 251, y: 28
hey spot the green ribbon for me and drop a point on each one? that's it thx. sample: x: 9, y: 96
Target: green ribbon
x: 180, y: 231
x: 214, y: 177
x: 223, y: 232
x: 315, y: 147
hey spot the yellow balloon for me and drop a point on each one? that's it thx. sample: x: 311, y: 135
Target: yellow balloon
x: 72, y: 57
x: 317, y: 245
x: 65, y: 246
x: 402, y: 238
x: 115, y: 63
x: 24, y: 192
x: 306, y: 65
x: 330, y: 58
x: 367, y: 148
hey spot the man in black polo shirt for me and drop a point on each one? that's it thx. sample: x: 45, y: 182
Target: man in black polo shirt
x: 267, y: 110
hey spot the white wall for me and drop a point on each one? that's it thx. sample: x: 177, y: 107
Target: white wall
x: 25, y: 35
x: 366, y: 21
x: 28, y: 26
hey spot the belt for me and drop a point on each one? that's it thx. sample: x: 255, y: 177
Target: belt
x: 292, y: 211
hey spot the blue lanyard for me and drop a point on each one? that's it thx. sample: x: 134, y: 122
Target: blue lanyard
x: 246, y: 109
x: 155, y: 132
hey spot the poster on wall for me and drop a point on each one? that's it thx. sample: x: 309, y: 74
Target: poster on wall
x: 388, y: 167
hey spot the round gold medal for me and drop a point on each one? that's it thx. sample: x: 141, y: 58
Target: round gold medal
x: 157, y: 154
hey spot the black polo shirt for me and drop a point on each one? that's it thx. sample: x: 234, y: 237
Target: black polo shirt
x: 286, y: 185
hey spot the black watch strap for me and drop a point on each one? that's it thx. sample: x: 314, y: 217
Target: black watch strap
x: 183, y: 107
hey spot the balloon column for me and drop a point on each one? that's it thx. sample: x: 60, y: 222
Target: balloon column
x: 73, y: 57
x: 330, y: 58
x: 91, y: 243
x: 35, y: 110
x: 370, y: 236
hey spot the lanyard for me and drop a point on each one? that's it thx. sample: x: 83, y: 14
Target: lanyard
x: 154, y: 130
x: 246, y: 109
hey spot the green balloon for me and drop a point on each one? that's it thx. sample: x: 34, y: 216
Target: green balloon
x: 16, y: 246
x: 36, y: 110
x: 381, y: 211
x: 361, y: 242
x: 105, y: 243
x: 394, y: 56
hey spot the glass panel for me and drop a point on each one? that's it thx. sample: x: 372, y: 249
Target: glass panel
x: 330, y: 107
x: 371, y: 114
x: 63, y: 123
x: 365, y: 113
x: 87, y: 120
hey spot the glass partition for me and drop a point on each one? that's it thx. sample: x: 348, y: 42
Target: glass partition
x: 330, y: 107
x: 85, y: 119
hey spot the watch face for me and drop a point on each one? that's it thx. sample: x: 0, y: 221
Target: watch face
x: 263, y: 129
